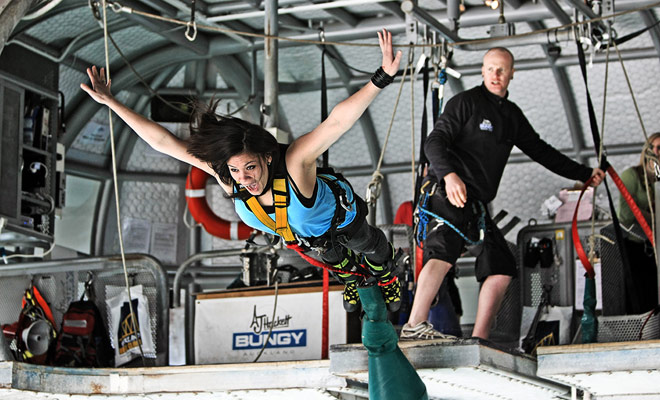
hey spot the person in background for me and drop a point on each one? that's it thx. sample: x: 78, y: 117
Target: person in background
x: 639, y: 249
x: 244, y: 157
x: 468, y: 150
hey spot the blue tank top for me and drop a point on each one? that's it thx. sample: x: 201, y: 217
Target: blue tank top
x: 305, y: 221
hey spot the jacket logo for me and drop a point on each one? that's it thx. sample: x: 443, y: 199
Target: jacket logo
x: 485, y: 125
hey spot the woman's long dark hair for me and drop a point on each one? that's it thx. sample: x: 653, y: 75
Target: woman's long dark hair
x: 214, y: 139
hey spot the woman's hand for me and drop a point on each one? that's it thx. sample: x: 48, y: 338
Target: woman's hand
x: 390, y: 64
x: 100, y: 90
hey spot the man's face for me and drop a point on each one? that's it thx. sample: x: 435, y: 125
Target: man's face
x: 497, y: 71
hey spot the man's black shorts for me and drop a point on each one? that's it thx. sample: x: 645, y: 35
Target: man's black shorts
x: 444, y: 243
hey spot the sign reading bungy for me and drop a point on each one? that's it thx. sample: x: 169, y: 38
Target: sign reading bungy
x: 235, y: 329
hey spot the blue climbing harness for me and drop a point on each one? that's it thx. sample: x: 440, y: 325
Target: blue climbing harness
x: 423, y: 215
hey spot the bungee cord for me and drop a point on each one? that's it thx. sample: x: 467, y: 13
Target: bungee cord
x: 116, y: 190
x: 374, y: 189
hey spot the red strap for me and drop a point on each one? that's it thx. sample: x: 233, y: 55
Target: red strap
x: 576, y: 238
x: 318, y: 263
x: 325, y: 321
x: 631, y: 203
x: 633, y: 207
x: 326, y: 289
x: 388, y: 282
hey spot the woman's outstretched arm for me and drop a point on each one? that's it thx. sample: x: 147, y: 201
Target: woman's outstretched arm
x: 303, y: 152
x: 155, y: 135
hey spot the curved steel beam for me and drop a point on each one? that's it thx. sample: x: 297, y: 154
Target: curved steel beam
x: 200, y: 45
x: 127, y: 138
x: 649, y: 19
x: 64, y: 55
x: 232, y: 71
x: 147, y: 66
x: 10, y: 16
x: 566, y: 94
x: 368, y: 129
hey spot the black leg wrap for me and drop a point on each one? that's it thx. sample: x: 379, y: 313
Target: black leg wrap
x: 386, y: 276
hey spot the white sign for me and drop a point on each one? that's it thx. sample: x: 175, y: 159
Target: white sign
x: 163, y: 242
x: 136, y: 234
x: 235, y: 329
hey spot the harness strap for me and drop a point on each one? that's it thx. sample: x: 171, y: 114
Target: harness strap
x: 624, y: 192
x: 425, y: 213
x: 281, y: 201
x: 576, y: 237
x: 631, y: 203
x: 321, y: 264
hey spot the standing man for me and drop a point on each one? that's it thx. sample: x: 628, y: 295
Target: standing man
x: 468, y: 150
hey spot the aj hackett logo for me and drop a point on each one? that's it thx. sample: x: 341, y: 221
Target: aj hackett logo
x: 261, y: 325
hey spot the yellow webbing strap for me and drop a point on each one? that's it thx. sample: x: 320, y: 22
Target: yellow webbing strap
x: 282, y: 227
x: 256, y: 208
x: 281, y: 223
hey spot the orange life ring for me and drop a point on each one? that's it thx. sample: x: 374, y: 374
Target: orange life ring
x: 202, y: 213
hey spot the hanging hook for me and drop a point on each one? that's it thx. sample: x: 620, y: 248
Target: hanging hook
x: 191, y: 23
x: 321, y: 34
x: 94, y: 6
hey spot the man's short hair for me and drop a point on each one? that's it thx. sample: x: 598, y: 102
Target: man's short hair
x: 502, y: 49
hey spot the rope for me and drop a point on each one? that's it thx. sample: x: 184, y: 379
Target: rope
x: 323, y: 265
x: 116, y: 187
x: 412, y: 127
x: 270, y: 329
x: 592, y: 237
x: 422, y: 227
x: 373, y: 189
x: 117, y: 7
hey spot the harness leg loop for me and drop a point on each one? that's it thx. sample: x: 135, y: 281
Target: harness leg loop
x: 349, y: 263
x: 386, y: 275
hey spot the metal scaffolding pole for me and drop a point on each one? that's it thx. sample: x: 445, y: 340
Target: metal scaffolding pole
x: 270, y: 65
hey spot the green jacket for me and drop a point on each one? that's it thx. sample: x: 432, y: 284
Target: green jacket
x: 633, y: 179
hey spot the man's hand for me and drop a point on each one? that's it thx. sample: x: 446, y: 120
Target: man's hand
x: 456, y: 191
x: 598, y: 176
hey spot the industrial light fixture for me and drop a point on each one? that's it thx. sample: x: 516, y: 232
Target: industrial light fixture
x: 493, y: 4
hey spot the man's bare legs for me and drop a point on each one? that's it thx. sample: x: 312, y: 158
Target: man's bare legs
x: 490, y: 299
x: 428, y: 283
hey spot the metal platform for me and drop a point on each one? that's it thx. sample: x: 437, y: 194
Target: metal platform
x: 451, y: 370
x: 621, y: 370
x: 464, y: 369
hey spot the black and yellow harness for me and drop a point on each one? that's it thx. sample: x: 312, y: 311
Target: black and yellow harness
x: 281, y: 200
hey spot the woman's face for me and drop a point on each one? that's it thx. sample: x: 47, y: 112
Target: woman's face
x: 250, y: 170
x: 655, y: 146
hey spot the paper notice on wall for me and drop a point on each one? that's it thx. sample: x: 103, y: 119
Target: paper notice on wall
x: 580, y: 282
x: 94, y: 134
x: 136, y: 233
x: 163, y: 242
